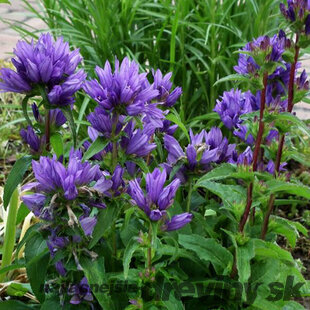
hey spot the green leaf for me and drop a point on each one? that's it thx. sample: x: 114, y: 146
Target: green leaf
x: 11, y: 267
x: 176, y: 119
x: 14, y: 305
x: 15, y: 177
x: 276, y: 186
x: 37, y: 259
x: 210, y: 212
x: 232, y: 77
x: 237, y: 193
x: 173, y: 303
x: 269, y: 250
x: 219, y: 173
x: 96, y: 276
x: 22, y: 212
x: 210, y: 251
x: 141, y: 163
x: 105, y: 220
x: 97, y: 146
x: 69, y: 115
x: 281, y: 120
x: 57, y: 144
x: 244, y: 254
x: 131, y: 248
x: 283, y: 227
x: 17, y: 289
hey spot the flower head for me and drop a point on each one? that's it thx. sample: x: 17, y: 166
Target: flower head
x: 163, y: 84
x: 157, y: 197
x: 53, y: 177
x: 30, y: 137
x: 204, y: 148
x: 125, y: 89
x: 45, y: 63
x: 272, y: 48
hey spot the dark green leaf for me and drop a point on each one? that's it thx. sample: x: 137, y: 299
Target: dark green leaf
x: 208, y: 250
x: 14, y: 305
x: 244, y: 254
x: 131, y: 247
x: 106, y: 218
x: 15, y: 177
x: 37, y: 258
x: 95, y: 274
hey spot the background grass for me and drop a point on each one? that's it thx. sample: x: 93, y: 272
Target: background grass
x: 196, y: 39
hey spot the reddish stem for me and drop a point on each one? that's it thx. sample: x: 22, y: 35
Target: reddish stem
x: 256, y: 153
x: 290, y: 105
x: 261, y: 123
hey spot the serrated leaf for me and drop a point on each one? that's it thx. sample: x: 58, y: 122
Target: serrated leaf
x: 283, y: 227
x: 237, y: 193
x: 131, y: 248
x: 210, y: 251
x: 15, y: 177
x: 276, y: 186
x: 244, y: 254
x: 266, y: 249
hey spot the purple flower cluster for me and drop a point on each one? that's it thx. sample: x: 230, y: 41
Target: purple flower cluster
x: 158, y: 198
x: 52, y: 177
x: 163, y: 84
x: 124, y: 89
x: 44, y: 63
x: 204, y: 148
x: 297, y: 12
x: 272, y: 48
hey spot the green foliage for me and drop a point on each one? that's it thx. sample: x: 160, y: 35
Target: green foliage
x: 194, y: 39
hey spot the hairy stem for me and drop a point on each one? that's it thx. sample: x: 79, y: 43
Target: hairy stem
x: 10, y: 231
x: 290, y: 105
x: 258, y: 143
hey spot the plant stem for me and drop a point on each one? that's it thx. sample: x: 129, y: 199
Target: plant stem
x: 10, y: 231
x: 47, y: 129
x: 189, y: 196
x: 149, y: 250
x: 261, y: 123
x: 258, y: 143
x: 290, y: 105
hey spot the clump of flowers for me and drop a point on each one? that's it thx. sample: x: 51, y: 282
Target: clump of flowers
x: 47, y: 63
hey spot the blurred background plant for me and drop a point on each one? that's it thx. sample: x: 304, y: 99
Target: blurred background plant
x: 195, y: 39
